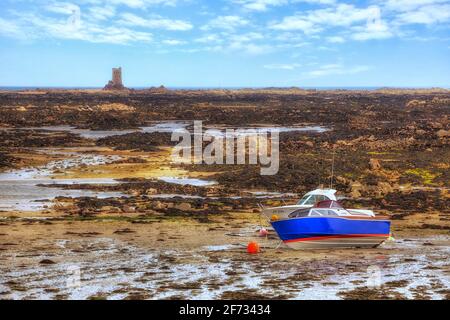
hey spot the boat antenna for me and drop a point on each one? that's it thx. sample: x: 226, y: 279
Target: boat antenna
x: 320, y: 174
x: 332, y: 170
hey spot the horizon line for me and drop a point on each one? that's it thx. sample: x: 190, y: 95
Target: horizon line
x: 18, y: 87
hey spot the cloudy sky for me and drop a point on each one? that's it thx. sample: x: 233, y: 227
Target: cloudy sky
x: 226, y: 43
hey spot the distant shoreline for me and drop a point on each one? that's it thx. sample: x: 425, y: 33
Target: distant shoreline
x: 380, y: 88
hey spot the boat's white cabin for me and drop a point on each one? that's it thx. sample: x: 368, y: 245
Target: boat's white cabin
x: 307, y: 206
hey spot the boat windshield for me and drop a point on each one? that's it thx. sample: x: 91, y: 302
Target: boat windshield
x: 299, y: 213
x: 310, y: 200
x: 328, y: 204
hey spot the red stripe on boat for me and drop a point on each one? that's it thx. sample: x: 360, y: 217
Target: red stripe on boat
x: 338, y: 236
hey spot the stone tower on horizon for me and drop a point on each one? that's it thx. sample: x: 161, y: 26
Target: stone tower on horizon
x: 117, y: 76
x: 116, y: 82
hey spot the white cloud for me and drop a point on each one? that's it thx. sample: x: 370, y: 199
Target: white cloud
x: 296, y: 23
x: 264, y: 5
x: 288, y: 37
x: 335, y: 39
x: 335, y: 69
x: 226, y: 23
x: 259, y: 5
x: 92, y: 22
x: 426, y: 12
x: 10, y: 29
x: 173, y: 42
x: 63, y: 28
x: 331, y: 22
x: 129, y: 19
x: 375, y: 29
x: 142, y: 4
x: 425, y: 15
x: 408, y: 5
x: 372, y: 35
x: 63, y: 8
x: 249, y: 48
x: 101, y: 13
x: 209, y: 38
x: 116, y: 35
x: 323, y: 2
x: 282, y: 66
x: 247, y: 43
x: 357, y: 23
x: 246, y: 37
x: 313, y: 21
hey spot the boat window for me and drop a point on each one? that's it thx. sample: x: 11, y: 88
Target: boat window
x: 332, y: 213
x: 321, y: 198
x: 299, y: 213
x: 323, y: 212
x: 315, y: 199
x: 303, y: 200
x: 310, y: 200
x: 315, y: 213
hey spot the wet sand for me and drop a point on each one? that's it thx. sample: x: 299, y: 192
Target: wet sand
x: 148, y: 258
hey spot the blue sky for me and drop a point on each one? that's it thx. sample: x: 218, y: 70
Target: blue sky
x: 226, y: 43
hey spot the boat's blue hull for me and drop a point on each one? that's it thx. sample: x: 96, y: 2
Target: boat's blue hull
x: 321, y: 232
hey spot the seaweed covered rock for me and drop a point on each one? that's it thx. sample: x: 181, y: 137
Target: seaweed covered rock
x: 101, y: 120
x: 137, y: 141
x: 4, y: 160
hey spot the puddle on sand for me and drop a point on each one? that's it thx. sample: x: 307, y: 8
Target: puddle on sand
x: 85, y: 133
x: 23, y: 190
x: 166, y: 126
x: 48, y: 171
x: 221, y: 247
x: 112, y: 269
x: 188, y: 181
x: 266, y: 194
x: 249, y: 131
x: 27, y: 195
x: 174, y: 126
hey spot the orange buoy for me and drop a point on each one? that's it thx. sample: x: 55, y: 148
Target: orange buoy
x: 253, y: 247
x: 263, y: 232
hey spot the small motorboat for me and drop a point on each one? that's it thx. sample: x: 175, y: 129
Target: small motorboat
x: 328, y: 225
x: 308, y: 201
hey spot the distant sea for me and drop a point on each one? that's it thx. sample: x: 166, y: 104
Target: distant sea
x: 213, y: 88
